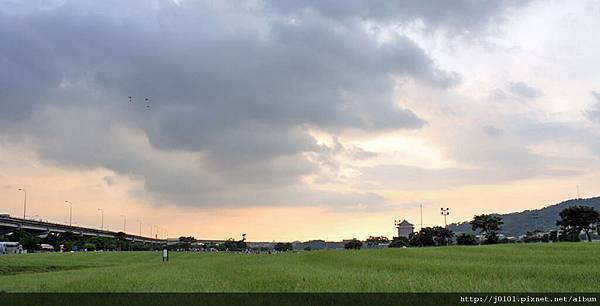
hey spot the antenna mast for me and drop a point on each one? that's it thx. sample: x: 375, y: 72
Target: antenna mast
x: 421, y: 205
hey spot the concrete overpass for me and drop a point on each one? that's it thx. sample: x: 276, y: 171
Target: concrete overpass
x: 10, y: 224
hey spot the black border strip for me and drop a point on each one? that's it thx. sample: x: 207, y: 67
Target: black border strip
x: 299, y: 299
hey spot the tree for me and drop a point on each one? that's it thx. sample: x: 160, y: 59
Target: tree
x: 189, y: 239
x: 576, y: 219
x: 569, y: 236
x: 353, y: 244
x: 421, y: 238
x: 229, y: 245
x: 430, y: 236
x: 28, y: 241
x: 532, y: 236
x: 376, y: 240
x: 492, y: 238
x: 101, y: 243
x: 90, y: 247
x: 442, y: 235
x: 553, y: 236
x: 488, y: 225
x: 121, y: 242
x: 184, y: 243
x: 283, y: 247
x: 232, y: 245
x: 68, y: 246
x: 466, y: 239
x: 399, y: 242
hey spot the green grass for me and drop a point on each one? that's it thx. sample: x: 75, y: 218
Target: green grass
x: 563, y: 267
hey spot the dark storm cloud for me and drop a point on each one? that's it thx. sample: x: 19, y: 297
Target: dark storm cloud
x: 233, y: 87
x: 461, y: 15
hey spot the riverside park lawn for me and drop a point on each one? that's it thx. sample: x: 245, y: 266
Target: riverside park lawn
x: 558, y: 267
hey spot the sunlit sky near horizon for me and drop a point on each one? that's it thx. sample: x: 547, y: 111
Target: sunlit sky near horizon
x: 295, y: 120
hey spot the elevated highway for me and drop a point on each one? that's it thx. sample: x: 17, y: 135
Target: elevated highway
x: 10, y: 224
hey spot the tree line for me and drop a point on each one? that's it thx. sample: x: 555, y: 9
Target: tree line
x: 573, y: 221
x: 69, y: 241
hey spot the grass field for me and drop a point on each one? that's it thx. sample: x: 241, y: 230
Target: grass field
x: 563, y: 267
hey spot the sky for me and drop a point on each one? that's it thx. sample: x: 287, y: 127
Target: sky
x: 295, y: 120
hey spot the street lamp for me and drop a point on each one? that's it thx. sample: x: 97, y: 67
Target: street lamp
x: 140, y: 221
x: 24, y: 202
x: 102, y: 218
x: 70, y: 211
x: 445, y: 212
x: 124, y: 223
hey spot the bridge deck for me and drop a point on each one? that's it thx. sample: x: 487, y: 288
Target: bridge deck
x: 10, y: 224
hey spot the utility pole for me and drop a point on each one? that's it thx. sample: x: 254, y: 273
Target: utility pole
x: 140, y: 221
x: 578, y: 197
x: 421, y: 205
x: 70, y: 211
x: 445, y: 212
x: 102, y: 218
x: 124, y: 223
x: 24, y: 202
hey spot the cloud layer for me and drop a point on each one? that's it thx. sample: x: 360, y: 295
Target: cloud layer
x: 236, y: 91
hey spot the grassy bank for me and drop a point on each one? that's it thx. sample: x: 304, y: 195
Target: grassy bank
x: 524, y: 267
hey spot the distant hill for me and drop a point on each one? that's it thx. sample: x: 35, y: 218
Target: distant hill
x: 519, y: 223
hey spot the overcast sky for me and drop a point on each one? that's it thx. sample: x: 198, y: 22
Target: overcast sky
x: 294, y: 120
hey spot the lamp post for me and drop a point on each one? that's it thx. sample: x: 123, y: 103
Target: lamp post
x: 24, y: 202
x: 70, y: 211
x: 124, y: 223
x: 445, y: 212
x: 102, y: 218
